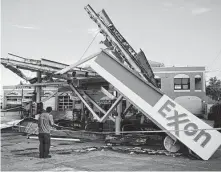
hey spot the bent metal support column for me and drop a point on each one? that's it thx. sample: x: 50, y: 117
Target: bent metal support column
x: 162, y: 110
x: 118, y: 118
x: 38, y: 88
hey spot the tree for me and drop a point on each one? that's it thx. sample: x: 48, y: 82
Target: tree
x: 213, y: 90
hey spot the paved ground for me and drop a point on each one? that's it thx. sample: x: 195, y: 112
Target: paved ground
x: 21, y: 154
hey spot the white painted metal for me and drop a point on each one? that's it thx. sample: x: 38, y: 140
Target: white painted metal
x: 127, y: 109
x: 85, y: 103
x: 111, y: 108
x: 204, y: 145
x: 118, y: 119
x: 77, y: 64
x: 97, y: 106
x: 37, y: 84
x: 117, y: 124
x: 205, y: 152
x: 107, y: 93
x: 60, y: 139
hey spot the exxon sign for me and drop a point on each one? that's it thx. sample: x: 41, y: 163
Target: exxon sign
x: 174, y: 117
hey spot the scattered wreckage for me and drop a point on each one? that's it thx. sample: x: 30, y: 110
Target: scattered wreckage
x: 130, y: 76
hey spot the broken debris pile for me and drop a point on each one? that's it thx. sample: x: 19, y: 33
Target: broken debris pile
x: 130, y: 150
x: 81, y: 150
x: 140, y: 150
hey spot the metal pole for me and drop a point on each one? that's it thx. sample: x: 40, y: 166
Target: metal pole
x: 118, y: 119
x: 21, y: 103
x: 38, y: 88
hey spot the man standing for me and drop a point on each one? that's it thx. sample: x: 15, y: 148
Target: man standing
x: 45, y: 122
x: 217, y: 115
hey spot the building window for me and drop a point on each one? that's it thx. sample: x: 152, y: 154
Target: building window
x: 198, y: 82
x: 13, y: 100
x: 13, y: 93
x: 158, y: 81
x: 181, y: 82
x: 65, y: 103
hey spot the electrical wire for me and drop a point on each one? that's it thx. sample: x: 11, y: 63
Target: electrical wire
x: 89, y: 45
x: 214, y: 60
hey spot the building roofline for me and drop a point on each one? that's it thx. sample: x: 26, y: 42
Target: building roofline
x: 180, y: 69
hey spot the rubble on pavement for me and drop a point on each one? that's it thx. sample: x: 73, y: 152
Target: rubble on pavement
x: 140, y: 150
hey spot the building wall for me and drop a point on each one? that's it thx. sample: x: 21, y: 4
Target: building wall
x: 12, y: 93
x: 167, y: 85
x: 191, y: 99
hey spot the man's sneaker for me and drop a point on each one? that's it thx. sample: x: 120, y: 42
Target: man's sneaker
x: 49, y: 156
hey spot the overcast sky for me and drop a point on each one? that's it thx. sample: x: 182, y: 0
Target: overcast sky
x: 174, y: 32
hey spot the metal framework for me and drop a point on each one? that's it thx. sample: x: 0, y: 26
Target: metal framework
x: 107, y: 93
x: 97, y: 106
x: 120, y: 46
x: 46, y: 67
x: 154, y: 104
x: 131, y: 84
